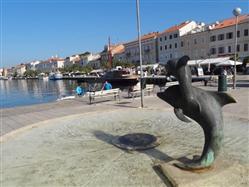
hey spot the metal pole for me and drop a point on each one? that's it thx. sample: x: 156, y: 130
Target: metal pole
x: 140, y: 53
x: 235, y: 53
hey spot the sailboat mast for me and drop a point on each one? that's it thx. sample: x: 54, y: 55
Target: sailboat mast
x: 109, y: 52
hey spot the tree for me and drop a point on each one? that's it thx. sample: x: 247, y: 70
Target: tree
x: 30, y: 73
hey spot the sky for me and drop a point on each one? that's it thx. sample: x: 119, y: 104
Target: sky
x: 39, y: 29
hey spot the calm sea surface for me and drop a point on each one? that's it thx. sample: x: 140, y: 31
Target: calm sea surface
x: 27, y: 92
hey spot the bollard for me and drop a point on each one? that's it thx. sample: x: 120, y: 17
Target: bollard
x: 222, y: 83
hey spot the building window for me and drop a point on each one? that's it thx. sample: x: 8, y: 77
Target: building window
x: 182, y: 43
x: 160, y: 39
x: 246, y: 32
x: 229, y: 35
x: 213, y: 51
x: 175, y: 35
x: 245, y: 47
x: 229, y: 49
x: 213, y: 38
x: 195, y: 42
x: 165, y: 38
x: 221, y: 50
x: 161, y: 48
x: 238, y: 34
x: 221, y: 37
x: 170, y: 55
x: 165, y: 47
x: 170, y: 36
x: 238, y: 48
x: 175, y: 45
x: 170, y: 46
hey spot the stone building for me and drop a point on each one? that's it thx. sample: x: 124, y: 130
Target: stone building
x: 149, y: 49
x: 169, y: 41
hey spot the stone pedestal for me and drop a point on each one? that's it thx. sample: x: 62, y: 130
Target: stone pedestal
x: 222, y: 173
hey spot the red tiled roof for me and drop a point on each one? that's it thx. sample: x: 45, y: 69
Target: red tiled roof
x: 145, y: 37
x: 176, y: 27
x: 117, y: 49
x: 231, y: 21
x: 55, y: 59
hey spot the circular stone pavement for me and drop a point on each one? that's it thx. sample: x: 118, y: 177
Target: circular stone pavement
x: 78, y: 151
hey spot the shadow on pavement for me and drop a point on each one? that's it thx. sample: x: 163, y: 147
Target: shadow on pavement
x: 153, y: 153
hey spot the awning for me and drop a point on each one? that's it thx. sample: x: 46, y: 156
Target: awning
x: 207, y: 61
x: 228, y: 63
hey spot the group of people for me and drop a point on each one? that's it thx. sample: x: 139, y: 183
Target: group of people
x: 81, y: 91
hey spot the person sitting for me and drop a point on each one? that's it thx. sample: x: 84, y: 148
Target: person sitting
x: 79, y: 90
x: 107, y: 86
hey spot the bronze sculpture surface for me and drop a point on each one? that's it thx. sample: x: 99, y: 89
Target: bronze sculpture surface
x: 202, y: 106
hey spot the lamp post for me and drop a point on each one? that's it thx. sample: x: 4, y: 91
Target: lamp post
x: 140, y: 52
x: 236, y: 13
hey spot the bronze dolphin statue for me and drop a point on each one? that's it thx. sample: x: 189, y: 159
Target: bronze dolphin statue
x: 202, y: 106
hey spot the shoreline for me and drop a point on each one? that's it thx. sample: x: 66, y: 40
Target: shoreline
x: 21, y: 116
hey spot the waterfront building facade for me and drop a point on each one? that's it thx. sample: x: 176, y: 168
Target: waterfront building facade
x: 112, y: 51
x: 90, y: 59
x: 32, y: 65
x: 71, y: 60
x: 222, y: 37
x: 149, y: 49
x: 169, y: 41
x: 195, y: 43
x: 20, y: 69
x: 52, y: 64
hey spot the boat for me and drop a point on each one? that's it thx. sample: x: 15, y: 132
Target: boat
x: 3, y: 78
x: 120, y: 77
x: 42, y: 76
x: 55, y: 76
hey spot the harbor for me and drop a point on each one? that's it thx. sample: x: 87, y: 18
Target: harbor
x: 48, y: 141
x: 114, y: 94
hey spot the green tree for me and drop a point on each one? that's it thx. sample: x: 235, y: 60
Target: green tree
x: 30, y: 73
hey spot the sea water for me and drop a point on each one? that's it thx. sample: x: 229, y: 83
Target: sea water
x: 27, y: 92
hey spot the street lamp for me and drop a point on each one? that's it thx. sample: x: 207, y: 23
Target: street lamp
x: 236, y: 13
x: 140, y: 52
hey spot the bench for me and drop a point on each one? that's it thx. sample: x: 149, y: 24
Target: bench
x: 104, y: 93
x: 148, y: 89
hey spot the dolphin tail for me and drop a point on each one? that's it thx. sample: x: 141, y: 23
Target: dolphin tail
x: 212, y: 146
x: 223, y: 98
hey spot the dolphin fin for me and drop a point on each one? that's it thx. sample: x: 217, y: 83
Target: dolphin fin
x: 223, y: 98
x: 179, y: 114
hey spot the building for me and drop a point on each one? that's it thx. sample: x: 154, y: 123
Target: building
x: 89, y: 57
x: 32, y: 65
x: 169, y: 41
x: 95, y: 61
x: 20, y: 69
x: 52, y: 64
x: 195, y: 43
x: 112, y: 51
x: 74, y: 59
x: 149, y: 49
x: 222, y: 37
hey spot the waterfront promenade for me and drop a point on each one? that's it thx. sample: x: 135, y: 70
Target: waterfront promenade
x: 67, y: 143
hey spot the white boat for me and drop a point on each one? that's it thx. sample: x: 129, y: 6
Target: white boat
x: 3, y: 78
x: 55, y: 76
x: 42, y: 76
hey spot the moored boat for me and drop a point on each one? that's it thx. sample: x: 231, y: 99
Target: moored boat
x: 42, y: 76
x: 3, y: 78
x: 55, y: 76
